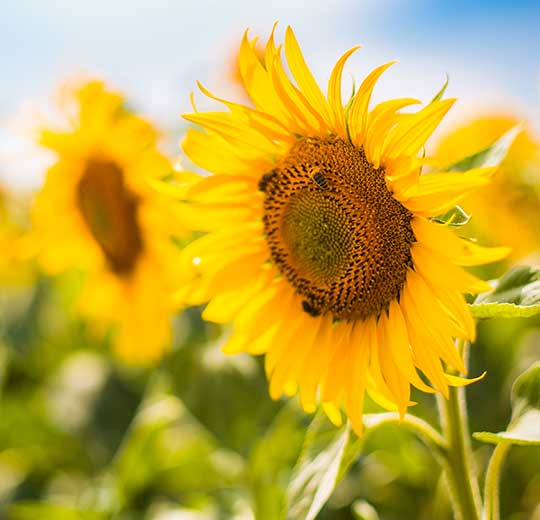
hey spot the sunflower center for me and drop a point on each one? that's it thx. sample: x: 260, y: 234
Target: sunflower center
x: 109, y: 210
x: 334, y: 229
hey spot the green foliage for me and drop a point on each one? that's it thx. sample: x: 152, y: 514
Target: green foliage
x: 516, y: 295
x: 84, y: 437
x: 493, y: 155
x: 454, y: 217
x: 526, y: 389
x: 327, y: 454
x: 524, y: 429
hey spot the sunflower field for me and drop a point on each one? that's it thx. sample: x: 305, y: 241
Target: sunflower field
x: 254, y: 270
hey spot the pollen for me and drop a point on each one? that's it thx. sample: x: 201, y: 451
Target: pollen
x: 109, y: 211
x: 334, y: 229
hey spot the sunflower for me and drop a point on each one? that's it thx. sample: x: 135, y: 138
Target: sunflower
x: 98, y: 212
x: 319, y: 246
x: 515, y: 218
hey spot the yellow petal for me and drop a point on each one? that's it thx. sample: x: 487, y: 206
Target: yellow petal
x: 333, y: 413
x: 304, y: 79
x: 285, y: 370
x: 258, y: 315
x: 214, y: 154
x: 437, y: 323
x: 414, y: 130
x: 356, y: 382
x: 335, y: 379
x: 398, y: 341
x: 462, y: 381
x: 359, y: 109
x: 317, y: 361
x: 397, y: 382
x: 436, y: 267
x: 223, y: 307
x: 380, y: 120
x: 438, y: 192
x: 334, y: 93
x: 461, y: 251
x: 236, y: 132
x: 257, y: 83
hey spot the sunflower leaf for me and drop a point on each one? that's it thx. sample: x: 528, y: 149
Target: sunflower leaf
x: 327, y: 454
x: 524, y: 432
x: 493, y: 155
x: 524, y: 429
x: 526, y: 390
x: 454, y: 217
x: 516, y: 295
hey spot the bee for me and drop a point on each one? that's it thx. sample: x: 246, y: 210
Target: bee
x: 266, y: 179
x: 309, y: 309
x: 319, y: 180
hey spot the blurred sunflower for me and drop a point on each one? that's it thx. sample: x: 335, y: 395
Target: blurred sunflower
x: 98, y: 212
x: 514, y: 219
x: 319, y: 246
x: 15, y: 270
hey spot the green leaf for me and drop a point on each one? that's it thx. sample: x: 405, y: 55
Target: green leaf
x: 327, y: 454
x: 526, y: 389
x: 524, y: 432
x: 524, y: 429
x: 493, y: 155
x: 516, y: 295
x: 454, y: 217
x: 441, y: 91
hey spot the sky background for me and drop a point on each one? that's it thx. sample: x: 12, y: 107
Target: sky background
x: 155, y: 50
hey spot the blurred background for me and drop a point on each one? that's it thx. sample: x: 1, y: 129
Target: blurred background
x: 83, y: 435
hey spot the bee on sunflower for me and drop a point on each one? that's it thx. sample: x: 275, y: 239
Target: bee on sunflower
x: 99, y: 213
x: 319, y: 246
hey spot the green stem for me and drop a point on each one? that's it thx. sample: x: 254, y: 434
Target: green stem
x: 458, y: 468
x: 431, y: 437
x: 493, y: 476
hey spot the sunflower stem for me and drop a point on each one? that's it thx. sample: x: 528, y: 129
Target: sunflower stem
x: 491, y: 486
x: 463, y: 483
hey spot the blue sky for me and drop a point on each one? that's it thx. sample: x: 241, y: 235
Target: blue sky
x: 154, y: 50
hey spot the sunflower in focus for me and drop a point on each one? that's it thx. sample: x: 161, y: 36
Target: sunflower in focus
x: 515, y: 218
x: 319, y: 246
x: 98, y: 212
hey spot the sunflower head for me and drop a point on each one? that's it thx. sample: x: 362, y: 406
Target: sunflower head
x: 319, y: 244
x: 99, y: 213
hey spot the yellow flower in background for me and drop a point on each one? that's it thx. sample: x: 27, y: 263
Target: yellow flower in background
x: 15, y: 270
x: 98, y: 212
x: 508, y: 210
x: 319, y: 246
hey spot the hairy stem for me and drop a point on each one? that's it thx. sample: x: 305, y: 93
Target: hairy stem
x: 463, y: 484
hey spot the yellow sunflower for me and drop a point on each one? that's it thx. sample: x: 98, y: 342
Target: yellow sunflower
x: 319, y: 244
x: 514, y: 219
x: 98, y: 212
